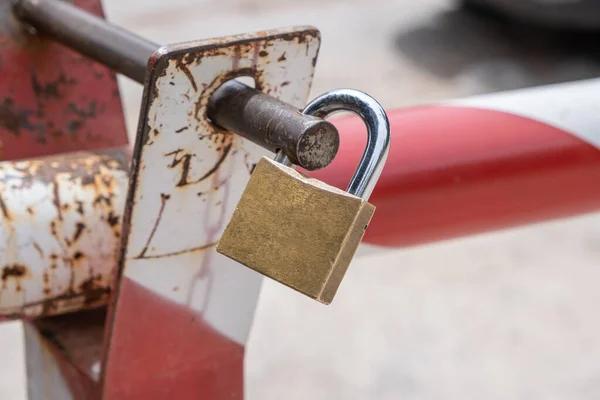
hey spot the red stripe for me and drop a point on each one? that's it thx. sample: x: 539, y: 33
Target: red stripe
x: 52, y: 99
x: 163, y: 350
x: 455, y: 171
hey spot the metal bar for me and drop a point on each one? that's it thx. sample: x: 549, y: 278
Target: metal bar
x: 309, y: 142
x: 102, y: 41
x: 481, y: 164
x: 275, y: 124
x: 60, y: 227
x: 461, y: 168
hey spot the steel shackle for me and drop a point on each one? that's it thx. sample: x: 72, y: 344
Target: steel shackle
x: 378, y: 134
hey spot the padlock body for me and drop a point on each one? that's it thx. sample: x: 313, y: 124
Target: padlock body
x: 296, y: 229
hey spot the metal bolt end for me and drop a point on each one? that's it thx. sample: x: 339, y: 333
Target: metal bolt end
x: 317, y: 145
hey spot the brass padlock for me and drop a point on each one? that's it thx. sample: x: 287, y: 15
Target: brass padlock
x: 298, y: 230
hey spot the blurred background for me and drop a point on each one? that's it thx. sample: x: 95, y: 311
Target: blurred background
x: 507, y: 315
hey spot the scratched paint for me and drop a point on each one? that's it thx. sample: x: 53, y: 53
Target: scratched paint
x: 60, y: 227
x: 53, y: 99
x: 187, y: 179
x: 191, y: 174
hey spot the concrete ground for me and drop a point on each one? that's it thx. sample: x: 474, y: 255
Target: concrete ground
x: 508, y: 315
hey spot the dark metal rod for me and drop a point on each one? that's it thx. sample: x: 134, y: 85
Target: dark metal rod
x: 104, y: 42
x: 308, y: 141
x: 312, y: 141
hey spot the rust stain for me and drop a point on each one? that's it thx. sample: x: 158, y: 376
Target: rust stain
x: 201, y: 104
x: 163, y: 202
x: 102, y: 199
x: 48, y: 305
x: 184, y: 68
x: 237, y: 55
x: 183, y: 158
x: 74, y: 126
x: 107, y: 181
x: 282, y: 57
x: 112, y: 219
x: 50, y: 90
x: 90, y: 112
x: 79, y: 207
x: 79, y: 227
x: 176, y: 253
x: 53, y: 230
x: 56, y: 200
x: 92, y: 291
x: 14, y: 271
x: 68, y: 300
x: 12, y: 119
x: 4, y: 209
x: 218, y: 163
x: 301, y: 37
x: 88, y: 179
x: 185, y: 161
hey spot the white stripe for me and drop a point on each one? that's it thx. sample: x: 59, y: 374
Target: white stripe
x: 573, y: 107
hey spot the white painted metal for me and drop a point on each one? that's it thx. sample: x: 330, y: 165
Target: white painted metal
x: 190, y: 175
x: 59, y: 232
x: 573, y: 106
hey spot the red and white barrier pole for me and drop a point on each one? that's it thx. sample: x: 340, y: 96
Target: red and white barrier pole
x: 454, y: 169
x: 481, y: 164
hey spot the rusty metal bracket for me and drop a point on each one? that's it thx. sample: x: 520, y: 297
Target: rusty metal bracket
x: 182, y: 311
